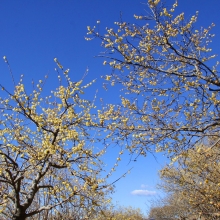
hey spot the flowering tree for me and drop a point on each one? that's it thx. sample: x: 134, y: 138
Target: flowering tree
x: 120, y: 213
x: 48, y: 156
x: 171, y: 88
x: 196, y: 180
x: 172, y: 206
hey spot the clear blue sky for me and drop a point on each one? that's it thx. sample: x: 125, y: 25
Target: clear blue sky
x: 33, y: 32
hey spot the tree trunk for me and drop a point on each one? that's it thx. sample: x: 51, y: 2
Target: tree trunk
x: 20, y: 214
x: 20, y: 217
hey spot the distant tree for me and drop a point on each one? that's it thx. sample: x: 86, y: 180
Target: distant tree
x: 160, y: 213
x: 120, y: 213
x: 48, y: 159
x: 172, y: 206
x: 195, y: 178
x: 169, y: 77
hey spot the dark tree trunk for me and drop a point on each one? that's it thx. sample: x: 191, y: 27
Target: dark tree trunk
x: 20, y: 217
x: 20, y: 214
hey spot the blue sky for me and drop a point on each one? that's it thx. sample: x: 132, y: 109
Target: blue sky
x: 34, y: 32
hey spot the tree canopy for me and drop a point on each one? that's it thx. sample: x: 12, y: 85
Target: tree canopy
x: 170, y: 97
x: 196, y: 180
x: 51, y: 146
x: 169, y: 77
x: 48, y: 149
